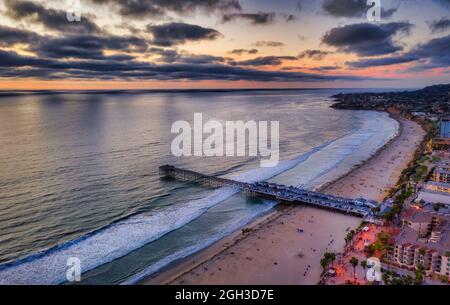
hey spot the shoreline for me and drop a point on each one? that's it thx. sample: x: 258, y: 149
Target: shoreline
x: 374, y: 155
x: 195, y: 268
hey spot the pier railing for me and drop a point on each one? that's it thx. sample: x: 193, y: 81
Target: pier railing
x: 361, y: 207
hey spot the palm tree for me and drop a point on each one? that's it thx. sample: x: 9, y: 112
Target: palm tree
x: 364, y: 265
x: 419, y: 274
x: 409, y: 280
x: 324, y: 263
x: 331, y: 257
x: 354, y: 261
x: 327, y: 259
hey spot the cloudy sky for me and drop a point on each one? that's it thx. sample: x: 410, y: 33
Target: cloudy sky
x: 134, y: 44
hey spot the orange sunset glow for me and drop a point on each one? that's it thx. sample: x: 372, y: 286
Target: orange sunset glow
x: 221, y: 44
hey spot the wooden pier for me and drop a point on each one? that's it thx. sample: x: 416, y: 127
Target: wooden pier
x: 287, y: 194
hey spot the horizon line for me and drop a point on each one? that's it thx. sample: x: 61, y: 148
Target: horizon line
x: 6, y: 92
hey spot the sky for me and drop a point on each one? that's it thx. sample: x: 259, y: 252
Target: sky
x: 191, y: 44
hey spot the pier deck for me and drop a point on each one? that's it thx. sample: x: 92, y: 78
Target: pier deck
x: 288, y: 194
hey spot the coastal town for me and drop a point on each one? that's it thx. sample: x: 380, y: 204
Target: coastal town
x: 412, y: 244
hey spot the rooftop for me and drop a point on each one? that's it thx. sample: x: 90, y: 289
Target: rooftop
x: 444, y: 128
x: 413, y: 215
x: 410, y: 237
x: 434, y: 197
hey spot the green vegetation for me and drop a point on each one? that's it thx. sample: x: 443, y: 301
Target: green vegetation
x: 419, y: 275
x: 364, y: 265
x: 392, y: 278
x: 443, y: 279
x: 409, y: 280
x: 354, y: 262
x: 327, y: 259
x: 350, y: 236
x: 362, y: 224
x: 437, y: 206
x: 398, y: 203
x: 420, y: 173
x: 424, y: 159
x: 404, y: 194
x: 415, y: 172
x: 380, y: 245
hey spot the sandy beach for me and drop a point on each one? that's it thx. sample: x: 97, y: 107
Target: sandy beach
x: 286, y: 246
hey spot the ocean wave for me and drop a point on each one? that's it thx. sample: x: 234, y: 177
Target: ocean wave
x: 122, y: 237
x: 118, y: 239
x: 190, y: 250
x: 318, y: 163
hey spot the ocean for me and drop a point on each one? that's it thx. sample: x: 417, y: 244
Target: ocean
x: 79, y: 175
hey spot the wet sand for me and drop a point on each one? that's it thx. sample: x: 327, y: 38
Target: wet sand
x: 286, y: 246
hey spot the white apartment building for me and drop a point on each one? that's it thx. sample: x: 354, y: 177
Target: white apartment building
x: 424, y: 239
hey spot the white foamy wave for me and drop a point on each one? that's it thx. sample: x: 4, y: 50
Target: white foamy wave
x: 190, y: 250
x: 120, y: 238
x: 344, y: 153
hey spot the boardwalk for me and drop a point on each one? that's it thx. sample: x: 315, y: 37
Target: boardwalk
x: 287, y: 194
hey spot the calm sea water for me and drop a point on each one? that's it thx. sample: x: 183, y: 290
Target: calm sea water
x: 79, y: 175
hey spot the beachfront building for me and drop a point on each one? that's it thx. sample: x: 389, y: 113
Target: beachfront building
x: 437, y: 190
x: 441, y: 173
x: 424, y: 240
x: 431, y: 196
x: 442, y: 142
x: 439, y: 187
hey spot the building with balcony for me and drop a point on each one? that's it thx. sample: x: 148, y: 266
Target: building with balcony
x: 437, y: 189
x: 441, y: 173
x: 442, y: 142
x: 424, y: 240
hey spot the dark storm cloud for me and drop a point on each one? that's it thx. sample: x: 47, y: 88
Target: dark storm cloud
x: 10, y: 36
x: 326, y: 68
x: 291, y: 68
x: 156, y: 8
x: 178, y: 33
x: 432, y: 54
x: 200, y: 59
x: 290, y: 18
x: 88, y: 46
x: 263, y: 61
x: 254, y: 18
x: 12, y: 59
x: 172, y: 56
x: 351, y: 8
x: 243, y: 51
x: 50, y: 18
x: 385, y: 61
x: 314, y: 54
x: 436, y: 50
x: 440, y: 25
x: 26, y: 66
x: 270, y: 44
x: 367, y: 39
x: 165, y: 55
x: 444, y: 3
